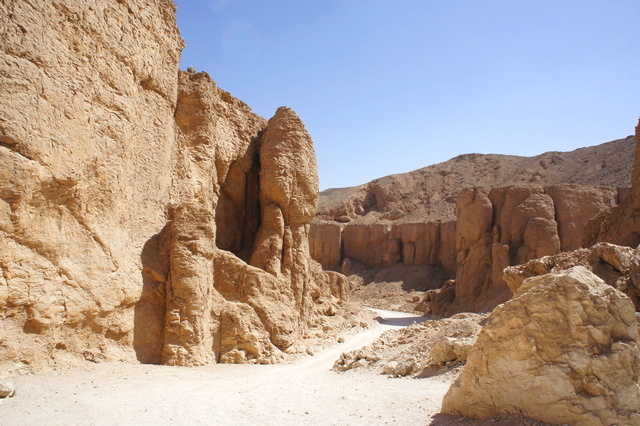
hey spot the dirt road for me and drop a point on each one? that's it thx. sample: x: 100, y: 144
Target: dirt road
x: 303, y: 393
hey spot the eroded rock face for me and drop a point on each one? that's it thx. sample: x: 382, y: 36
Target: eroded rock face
x: 145, y: 214
x: 510, y: 226
x: 426, y: 200
x: 622, y: 224
x: 494, y: 229
x: 563, y: 350
x: 86, y: 140
x: 381, y: 246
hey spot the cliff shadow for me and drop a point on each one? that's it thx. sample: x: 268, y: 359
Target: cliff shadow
x: 150, y: 310
x: 238, y: 212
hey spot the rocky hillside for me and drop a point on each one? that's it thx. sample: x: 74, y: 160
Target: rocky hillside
x: 429, y: 194
x: 522, y: 208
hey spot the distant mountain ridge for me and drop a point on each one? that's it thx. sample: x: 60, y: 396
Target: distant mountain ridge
x: 429, y: 194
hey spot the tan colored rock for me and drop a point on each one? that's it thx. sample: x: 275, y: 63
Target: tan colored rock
x: 563, y: 350
x: 382, y: 246
x: 86, y: 139
x: 325, y: 245
x: 428, y: 195
x: 527, y: 222
x: 133, y: 196
x: 419, y: 349
x: 511, y: 226
x: 474, y: 240
x: 621, y: 225
x: 7, y: 389
x: 614, y: 264
x: 575, y: 206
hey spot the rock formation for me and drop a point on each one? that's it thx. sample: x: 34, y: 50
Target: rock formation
x: 420, y: 350
x: 382, y: 246
x: 618, y: 266
x: 622, y: 224
x: 145, y: 214
x: 410, y: 219
x: 563, y: 350
x: 509, y: 226
x: 86, y: 138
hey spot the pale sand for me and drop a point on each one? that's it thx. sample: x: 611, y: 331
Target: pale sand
x: 307, y: 392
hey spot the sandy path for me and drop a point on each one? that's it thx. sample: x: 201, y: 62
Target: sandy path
x: 303, y: 393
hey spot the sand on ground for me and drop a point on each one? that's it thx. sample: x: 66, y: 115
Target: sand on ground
x: 307, y: 392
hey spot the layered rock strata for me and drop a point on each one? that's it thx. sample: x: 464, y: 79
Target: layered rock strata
x: 564, y: 349
x: 145, y: 214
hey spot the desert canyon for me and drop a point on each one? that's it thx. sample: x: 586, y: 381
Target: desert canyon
x: 159, y: 238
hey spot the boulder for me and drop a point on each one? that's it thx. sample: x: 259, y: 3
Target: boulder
x: 564, y: 349
x: 7, y: 389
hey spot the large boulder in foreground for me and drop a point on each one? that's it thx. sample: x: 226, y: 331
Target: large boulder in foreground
x: 563, y: 350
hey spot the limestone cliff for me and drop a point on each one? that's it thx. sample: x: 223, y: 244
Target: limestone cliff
x: 145, y: 214
x: 87, y: 135
x: 410, y: 218
x: 510, y: 226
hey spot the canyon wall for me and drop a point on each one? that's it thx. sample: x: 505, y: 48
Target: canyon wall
x: 145, y: 214
x: 380, y: 246
x: 86, y: 141
x: 622, y: 224
x: 410, y: 218
x: 511, y: 225
x: 494, y: 229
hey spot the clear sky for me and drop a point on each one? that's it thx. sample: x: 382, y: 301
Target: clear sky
x: 387, y: 87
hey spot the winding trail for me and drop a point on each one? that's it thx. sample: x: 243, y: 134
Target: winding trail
x: 303, y: 393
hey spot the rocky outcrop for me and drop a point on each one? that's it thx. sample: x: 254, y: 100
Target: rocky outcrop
x: 563, y: 350
x: 428, y: 195
x: 422, y: 349
x: 145, y: 214
x: 86, y: 141
x: 411, y: 218
x: 509, y: 226
x: 622, y: 224
x: 618, y: 266
x: 381, y: 246
x: 494, y: 229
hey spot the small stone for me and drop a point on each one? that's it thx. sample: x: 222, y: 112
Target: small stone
x: 359, y: 363
x: 7, y: 389
x: 390, y: 367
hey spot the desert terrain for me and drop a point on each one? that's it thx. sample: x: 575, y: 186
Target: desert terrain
x: 166, y: 256
x: 303, y: 392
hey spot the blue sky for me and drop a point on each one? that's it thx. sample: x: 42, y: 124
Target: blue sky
x: 388, y: 87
